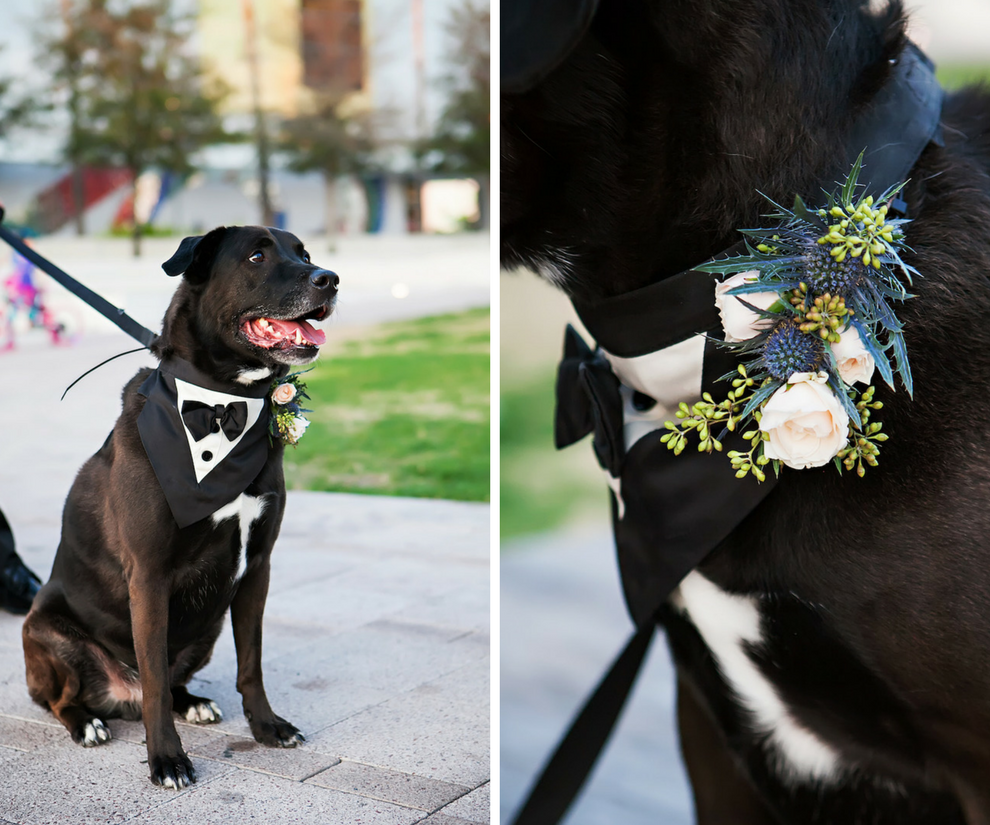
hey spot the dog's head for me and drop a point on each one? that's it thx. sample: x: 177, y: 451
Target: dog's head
x: 641, y: 142
x: 247, y: 302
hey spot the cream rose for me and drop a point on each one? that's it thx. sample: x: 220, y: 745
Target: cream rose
x: 805, y: 421
x: 297, y: 428
x: 283, y: 393
x: 739, y: 321
x: 852, y: 358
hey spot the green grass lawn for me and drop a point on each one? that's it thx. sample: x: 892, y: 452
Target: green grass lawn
x: 541, y: 488
x: 402, y: 410
x: 955, y: 75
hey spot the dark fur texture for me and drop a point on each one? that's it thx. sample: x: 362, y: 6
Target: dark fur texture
x: 640, y: 157
x: 134, y: 600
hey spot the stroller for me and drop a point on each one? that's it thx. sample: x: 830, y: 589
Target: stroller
x: 21, y: 294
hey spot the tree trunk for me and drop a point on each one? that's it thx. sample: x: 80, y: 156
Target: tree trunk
x: 136, y: 231
x: 484, y: 201
x: 332, y: 209
x: 78, y: 199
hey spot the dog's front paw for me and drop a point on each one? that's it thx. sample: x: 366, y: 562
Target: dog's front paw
x: 276, y: 733
x: 205, y: 712
x: 92, y: 733
x: 174, y: 772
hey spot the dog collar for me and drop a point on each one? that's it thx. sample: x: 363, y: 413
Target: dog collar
x: 207, y: 440
x: 663, y: 527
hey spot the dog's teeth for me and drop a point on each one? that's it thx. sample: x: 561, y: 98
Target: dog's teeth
x: 298, y: 335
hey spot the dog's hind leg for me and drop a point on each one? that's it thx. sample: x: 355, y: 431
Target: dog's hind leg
x: 56, y: 683
x: 196, y: 709
x: 722, y: 796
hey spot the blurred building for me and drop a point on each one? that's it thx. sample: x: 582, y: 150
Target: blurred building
x: 385, y: 55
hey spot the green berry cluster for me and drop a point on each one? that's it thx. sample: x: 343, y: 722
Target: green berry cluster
x: 825, y: 314
x: 863, y: 442
x: 701, y: 417
x: 753, y: 460
x: 703, y: 414
x: 862, y: 232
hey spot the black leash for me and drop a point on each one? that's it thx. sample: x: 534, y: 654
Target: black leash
x: 578, y: 751
x: 102, y: 363
x: 904, y: 120
x: 140, y: 333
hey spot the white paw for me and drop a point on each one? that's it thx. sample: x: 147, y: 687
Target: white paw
x: 95, y: 733
x: 204, y: 713
x: 176, y: 783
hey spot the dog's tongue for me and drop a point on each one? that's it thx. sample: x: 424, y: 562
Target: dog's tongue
x: 309, y: 333
x: 268, y: 332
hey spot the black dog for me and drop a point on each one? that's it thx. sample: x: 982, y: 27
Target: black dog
x: 833, y: 651
x: 135, y: 601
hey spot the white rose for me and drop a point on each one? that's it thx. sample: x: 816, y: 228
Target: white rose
x: 852, y: 358
x: 297, y: 428
x: 739, y: 321
x: 806, y: 424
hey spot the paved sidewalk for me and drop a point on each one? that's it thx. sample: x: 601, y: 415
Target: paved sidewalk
x: 562, y: 623
x: 376, y: 646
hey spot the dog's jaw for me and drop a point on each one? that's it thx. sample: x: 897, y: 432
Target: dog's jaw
x: 287, y: 338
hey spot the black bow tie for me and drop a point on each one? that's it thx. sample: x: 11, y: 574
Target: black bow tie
x: 203, y: 419
x: 588, y: 401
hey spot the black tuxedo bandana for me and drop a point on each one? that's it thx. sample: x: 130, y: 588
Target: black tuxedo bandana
x: 207, y: 441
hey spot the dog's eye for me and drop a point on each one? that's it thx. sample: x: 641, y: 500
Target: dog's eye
x: 257, y: 256
x: 305, y: 256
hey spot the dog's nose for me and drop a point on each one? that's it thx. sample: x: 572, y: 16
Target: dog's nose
x: 324, y: 279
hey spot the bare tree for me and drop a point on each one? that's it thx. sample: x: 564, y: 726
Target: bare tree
x: 17, y: 106
x: 137, y: 97
x: 334, y: 140
x: 462, y: 140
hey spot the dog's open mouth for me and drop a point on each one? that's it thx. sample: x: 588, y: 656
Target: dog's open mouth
x: 285, y: 333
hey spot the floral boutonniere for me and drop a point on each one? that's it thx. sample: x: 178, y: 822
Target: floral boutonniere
x: 287, y: 423
x: 808, y: 310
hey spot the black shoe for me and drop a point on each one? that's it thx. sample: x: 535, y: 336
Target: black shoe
x: 18, y: 586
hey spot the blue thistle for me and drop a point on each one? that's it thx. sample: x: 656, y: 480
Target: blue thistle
x: 826, y: 275
x: 788, y: 350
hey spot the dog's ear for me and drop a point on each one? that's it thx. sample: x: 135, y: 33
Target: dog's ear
x: 537, y: 35
x: 195, y: 254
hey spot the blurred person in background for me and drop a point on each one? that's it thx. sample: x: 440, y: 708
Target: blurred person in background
x: 17, y: 583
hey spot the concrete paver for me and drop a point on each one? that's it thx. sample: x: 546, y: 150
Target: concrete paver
x: 406, y: 698
x: 247, y: 797
x: 391, y: 786
x: 472, y: 806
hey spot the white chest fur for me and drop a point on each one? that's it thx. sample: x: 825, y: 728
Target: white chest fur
x: 247, y: 509
x: 728, y: 623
